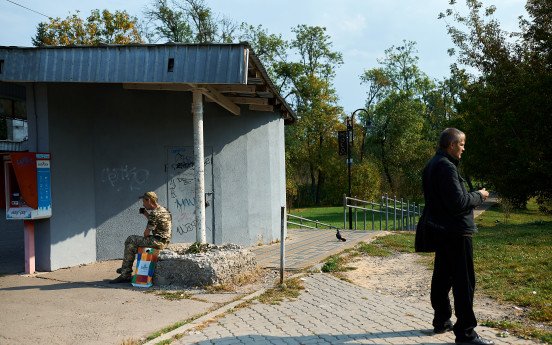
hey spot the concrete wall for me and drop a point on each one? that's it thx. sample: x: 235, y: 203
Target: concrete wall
x: 109, y: 145
x: 12, y: 252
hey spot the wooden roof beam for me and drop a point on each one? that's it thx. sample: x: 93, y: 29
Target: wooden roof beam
x: 249, y: 100
x: 258, y: 107
x: 210, y: 92
x: 235, y: 88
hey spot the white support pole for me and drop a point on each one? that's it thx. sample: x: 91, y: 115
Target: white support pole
x: 199, y: 167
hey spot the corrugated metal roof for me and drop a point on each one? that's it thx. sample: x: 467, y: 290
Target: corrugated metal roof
x: 208, y: 64
x: 221, y: 64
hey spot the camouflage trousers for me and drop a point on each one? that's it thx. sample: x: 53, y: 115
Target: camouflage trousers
x: 131, y: 248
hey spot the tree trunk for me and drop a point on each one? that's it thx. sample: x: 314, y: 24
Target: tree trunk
x: 385, y: 165
x: 313, y: 183
x: 321, y: 178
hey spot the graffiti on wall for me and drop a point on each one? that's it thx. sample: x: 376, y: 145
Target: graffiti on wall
x: 125, y: 177
x: 181, y: 192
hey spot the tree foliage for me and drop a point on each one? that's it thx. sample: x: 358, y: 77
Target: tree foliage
x: 507, y: 106
x: 189, y: 21
x: 397, y: 113
x: 100, y: 27
x: 306, y: 81
x: 271, y: 49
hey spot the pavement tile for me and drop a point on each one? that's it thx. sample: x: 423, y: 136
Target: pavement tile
x: 317, y: 317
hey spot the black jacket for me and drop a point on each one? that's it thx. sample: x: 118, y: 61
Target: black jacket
x: 447, y: 201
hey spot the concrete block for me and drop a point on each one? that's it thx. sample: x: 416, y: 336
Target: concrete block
x: 216, y: 265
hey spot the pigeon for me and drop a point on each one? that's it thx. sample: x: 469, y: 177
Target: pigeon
x: 339, y: 237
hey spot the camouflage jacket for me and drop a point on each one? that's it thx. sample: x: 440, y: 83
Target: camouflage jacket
x: 160, y: 223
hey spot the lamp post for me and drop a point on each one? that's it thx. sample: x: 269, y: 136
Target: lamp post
x: 350, y: 145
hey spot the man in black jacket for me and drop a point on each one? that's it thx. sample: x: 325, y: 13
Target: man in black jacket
x: 450, y: 209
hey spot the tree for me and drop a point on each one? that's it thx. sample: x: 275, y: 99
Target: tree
x: 98, y: 28
x: 270, y: 48
x: 171, y: 24
x: 307, y: 82
x: 506, y: 107
x: 189, y: 21
x: 397, y: 110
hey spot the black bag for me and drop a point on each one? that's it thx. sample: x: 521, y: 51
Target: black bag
x: 426, y: 235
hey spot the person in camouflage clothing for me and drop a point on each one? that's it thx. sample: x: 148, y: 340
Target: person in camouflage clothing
x: 156, y: 235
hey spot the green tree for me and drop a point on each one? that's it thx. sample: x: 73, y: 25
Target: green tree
x: 271, y: 49
x: 306, y: 82
x: 397, y: 109
x: 170, y: 23
x: 100, y: 27
x: 189, y: 21
x: 507, y: 105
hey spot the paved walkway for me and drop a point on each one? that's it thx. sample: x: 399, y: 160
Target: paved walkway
x: 307, y: 247
x: 330, y: 311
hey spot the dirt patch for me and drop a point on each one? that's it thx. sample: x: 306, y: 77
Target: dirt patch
x: 408, y: 276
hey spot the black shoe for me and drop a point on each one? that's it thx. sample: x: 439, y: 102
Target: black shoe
x: 476, y: 341
x: 120, y: 279
x: 120, y: 270
x: 446, y: 327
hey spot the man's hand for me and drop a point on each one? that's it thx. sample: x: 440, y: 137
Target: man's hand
x: 146, y: 232
x: 484, y: 193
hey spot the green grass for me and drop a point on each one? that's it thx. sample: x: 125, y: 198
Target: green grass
x: 336, y: 263
x: 290, y: 290
x: 334, y: 216
x: 513, y: 259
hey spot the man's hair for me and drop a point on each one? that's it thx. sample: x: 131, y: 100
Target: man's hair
x: 450, y: 136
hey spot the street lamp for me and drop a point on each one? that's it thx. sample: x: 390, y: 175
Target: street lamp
x: 350, y: 145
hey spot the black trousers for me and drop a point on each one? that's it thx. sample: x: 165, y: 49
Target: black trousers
x: 454, y: 269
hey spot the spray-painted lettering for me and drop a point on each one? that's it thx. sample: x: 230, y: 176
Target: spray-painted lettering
x: 125, y: 177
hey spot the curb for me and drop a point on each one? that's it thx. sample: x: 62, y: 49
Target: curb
x: 207, y: 317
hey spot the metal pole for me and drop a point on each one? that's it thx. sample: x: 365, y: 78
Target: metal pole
x: 414, y: 218
x: 413, y: 223
x: 364, y: 217
x: 402, y: 214
x: 407, y: 214
x: 356, y: 218
x: 381, y: 210
x: 199, y: 167
x: 349, y: 163
x: 282, y: 243
x: 28, y: 237
x: 344, y: 211
x: 386, y: 211
x: 372, y: 204
x: 395, y: 212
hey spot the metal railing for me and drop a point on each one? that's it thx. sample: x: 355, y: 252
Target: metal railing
x: 303, y: 220
x: 404, y: 215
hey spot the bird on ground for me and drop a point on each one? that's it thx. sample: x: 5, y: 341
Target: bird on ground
x: 339, y: 237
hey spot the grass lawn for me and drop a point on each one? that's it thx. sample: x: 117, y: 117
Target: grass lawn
x: 513, y: 263
x: 513, y: 259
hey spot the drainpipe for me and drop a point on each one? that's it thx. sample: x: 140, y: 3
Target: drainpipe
x: 199, y: 167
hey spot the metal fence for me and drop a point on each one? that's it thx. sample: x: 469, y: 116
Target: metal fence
x: 307, y: 223
x: 390, y: 213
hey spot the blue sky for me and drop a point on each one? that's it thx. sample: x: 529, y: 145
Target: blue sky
x: 360, y: 29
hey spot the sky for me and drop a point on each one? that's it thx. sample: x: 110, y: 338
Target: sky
x: 360, y: 29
